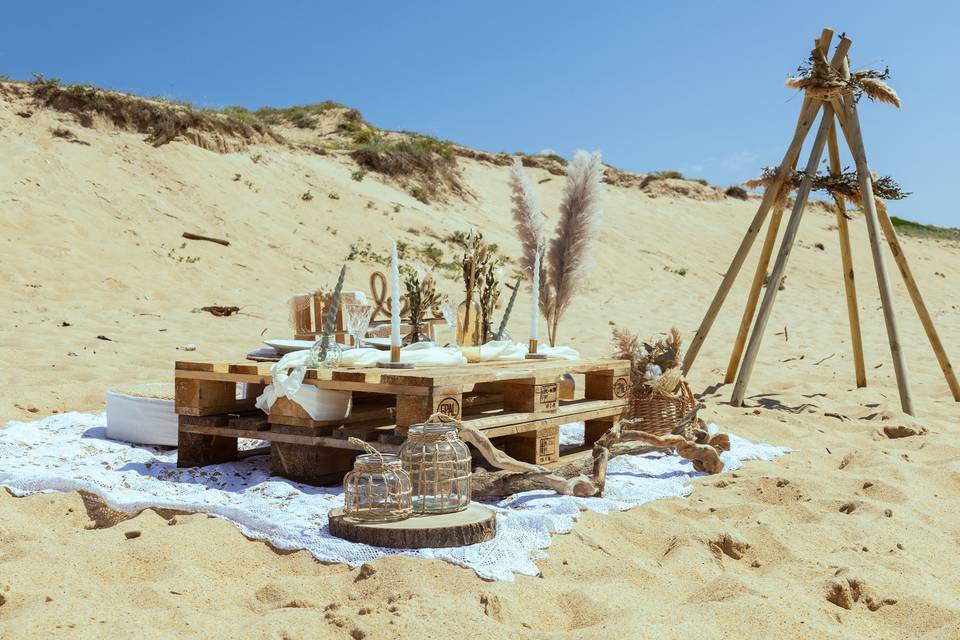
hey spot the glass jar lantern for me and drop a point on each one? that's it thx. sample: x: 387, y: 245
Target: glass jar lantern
x: 378, y: 489
x: 438, y: 463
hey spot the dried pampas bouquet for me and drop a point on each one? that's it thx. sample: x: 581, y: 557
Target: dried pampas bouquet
x: 565, y: 260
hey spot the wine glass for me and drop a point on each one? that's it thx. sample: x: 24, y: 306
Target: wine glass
x: 358, y: 318
x: 449, y: 313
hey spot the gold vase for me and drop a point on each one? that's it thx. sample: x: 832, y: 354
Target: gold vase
x: 469, y: 332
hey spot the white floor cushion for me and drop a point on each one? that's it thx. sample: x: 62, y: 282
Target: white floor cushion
x: 142, y: 414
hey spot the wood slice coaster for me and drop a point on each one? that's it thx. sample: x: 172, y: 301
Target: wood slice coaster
x: 474, y: 524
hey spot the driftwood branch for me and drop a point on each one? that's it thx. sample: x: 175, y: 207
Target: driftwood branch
x: 196, y: 236
x: 585, y: 476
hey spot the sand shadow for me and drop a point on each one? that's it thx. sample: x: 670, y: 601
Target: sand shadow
x: 771, y: 403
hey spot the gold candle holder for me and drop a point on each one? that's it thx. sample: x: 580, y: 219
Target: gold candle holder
x: 394, y: 362
x: 532, y: 353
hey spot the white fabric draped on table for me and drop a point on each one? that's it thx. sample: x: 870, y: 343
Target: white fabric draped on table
x: 327, y: 404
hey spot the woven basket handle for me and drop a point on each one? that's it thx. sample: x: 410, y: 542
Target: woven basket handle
x: 366, y: 447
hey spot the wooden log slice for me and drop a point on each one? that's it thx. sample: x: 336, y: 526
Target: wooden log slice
x: 474, y: 524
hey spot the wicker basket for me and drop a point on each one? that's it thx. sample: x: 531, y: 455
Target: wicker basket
x: 662, y: 403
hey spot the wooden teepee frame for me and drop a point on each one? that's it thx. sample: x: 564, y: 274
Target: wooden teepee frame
x: 837, y: 109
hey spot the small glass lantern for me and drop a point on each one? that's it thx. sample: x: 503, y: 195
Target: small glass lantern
x: 438, y: 463
x: 378, y: 489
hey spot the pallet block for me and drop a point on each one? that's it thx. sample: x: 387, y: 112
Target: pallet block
x: 200, y: 450
x: 531, y: 398
x: 538, y: 447
x: 415, y: 409
x: 208, y: 397
x: 594, y: 429
x: 310, y: 464
x: 603, y: 386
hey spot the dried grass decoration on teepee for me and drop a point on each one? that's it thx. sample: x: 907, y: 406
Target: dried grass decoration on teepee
x: 566, y: 258
x: 661, y: 398
x: 843, y: 185
x: 438, y: 463
x: 378, y: 489
x: 821, y: 81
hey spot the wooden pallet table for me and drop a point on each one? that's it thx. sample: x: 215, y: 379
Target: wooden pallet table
x: 517, y: 404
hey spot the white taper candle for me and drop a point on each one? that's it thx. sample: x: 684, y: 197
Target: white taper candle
x: 394, y: 297
x: 535, y: 302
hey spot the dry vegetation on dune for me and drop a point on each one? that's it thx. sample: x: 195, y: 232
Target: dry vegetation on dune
x: 430, y: 163
x: 161, y: 122
x: 848, y: 536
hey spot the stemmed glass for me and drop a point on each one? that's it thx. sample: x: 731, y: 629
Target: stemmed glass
x: 358, y: 318
x: 449, y: 313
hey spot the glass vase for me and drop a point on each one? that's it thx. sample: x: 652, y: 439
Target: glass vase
x: 412, y: 337
x: 469, y: 332
x: 438, y: 463
x: 330, y: 359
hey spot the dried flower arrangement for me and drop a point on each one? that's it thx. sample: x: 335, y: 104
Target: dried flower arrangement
x: 565, y: 259
x: 475, y: 262
x: 422, y: 297
x: 819, y: 79
x: 648, y: 360
x: 489, y: 291
x: 660, y: 397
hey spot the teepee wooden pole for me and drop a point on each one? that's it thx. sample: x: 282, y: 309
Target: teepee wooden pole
x: 755, y: 288
x: 901, y: 259
x: 808, y: 114
x: 846, y: 259
x: 855, y: 143
x: 780, y: 267
x: 769, y: 195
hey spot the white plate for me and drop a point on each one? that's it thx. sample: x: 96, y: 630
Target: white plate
x: 289, y: 346
x: 379, y: 343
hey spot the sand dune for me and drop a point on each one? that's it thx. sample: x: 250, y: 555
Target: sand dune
x: 849, y: 536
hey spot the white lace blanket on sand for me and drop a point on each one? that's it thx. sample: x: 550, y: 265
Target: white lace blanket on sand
x: 70, y: 452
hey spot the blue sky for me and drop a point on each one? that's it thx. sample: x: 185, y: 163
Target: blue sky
x: 694, y: 86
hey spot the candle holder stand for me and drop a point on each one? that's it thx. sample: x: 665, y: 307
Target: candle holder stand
x: 533, y: 354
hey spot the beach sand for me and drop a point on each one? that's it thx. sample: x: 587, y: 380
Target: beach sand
x: 851, y: 535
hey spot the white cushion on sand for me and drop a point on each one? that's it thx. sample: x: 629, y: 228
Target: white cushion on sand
x: 142, y: 414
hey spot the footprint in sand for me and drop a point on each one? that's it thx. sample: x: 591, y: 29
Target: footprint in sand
x: 845, y: 592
